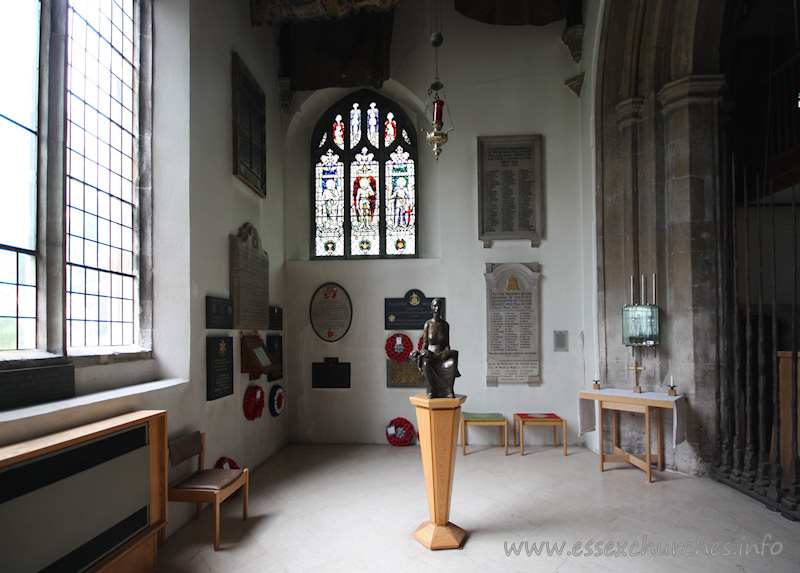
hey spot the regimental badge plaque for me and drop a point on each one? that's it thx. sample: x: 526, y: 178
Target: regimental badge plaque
x: 219, y: 367
x: 410, y: 312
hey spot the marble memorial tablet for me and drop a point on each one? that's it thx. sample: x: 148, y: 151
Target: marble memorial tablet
x: 510, y: 188
x: 512, y: 323
x: 249, y: 279
x: 331, y: 312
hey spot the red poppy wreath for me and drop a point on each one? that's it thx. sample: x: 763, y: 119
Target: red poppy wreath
x: 253, y: 402
x: 398, y: 347
x: 400, y: 432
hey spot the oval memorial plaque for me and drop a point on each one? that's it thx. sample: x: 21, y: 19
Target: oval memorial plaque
x: 331, y: 312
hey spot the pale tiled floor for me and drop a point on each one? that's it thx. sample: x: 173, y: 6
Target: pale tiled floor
x: 354, y: 508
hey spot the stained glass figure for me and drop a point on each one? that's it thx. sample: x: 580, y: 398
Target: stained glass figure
x: 365, y: 184
x: 355, y: 126
x: 372, y: 124
x: 365, y: 210
x: 329, y: 206
x: 400, y: 204
x: 338, y: 132
x: 389, y: 130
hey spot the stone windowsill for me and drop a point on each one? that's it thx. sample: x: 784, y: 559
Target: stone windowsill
x: 87, y: 399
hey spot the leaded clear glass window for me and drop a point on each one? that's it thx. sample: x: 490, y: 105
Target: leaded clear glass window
x: 101, y: 206
x: 364, y: 158
x: 19, y: 125
x: 73, y: 222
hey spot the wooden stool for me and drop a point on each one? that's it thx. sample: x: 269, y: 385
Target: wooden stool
x: 539, y: 420
x: 493, y: 419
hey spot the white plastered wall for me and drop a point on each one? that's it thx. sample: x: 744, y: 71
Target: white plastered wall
x: 197, y: 204
x: 499, y: 81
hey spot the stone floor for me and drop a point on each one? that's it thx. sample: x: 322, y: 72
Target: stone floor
x: 354, y: 508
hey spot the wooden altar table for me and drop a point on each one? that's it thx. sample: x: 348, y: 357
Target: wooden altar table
x: 645, y: 403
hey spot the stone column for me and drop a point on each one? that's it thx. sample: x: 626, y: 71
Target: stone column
x: 690, y: 107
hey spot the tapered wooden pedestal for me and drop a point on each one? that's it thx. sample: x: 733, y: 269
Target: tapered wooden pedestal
x: 437, y: 423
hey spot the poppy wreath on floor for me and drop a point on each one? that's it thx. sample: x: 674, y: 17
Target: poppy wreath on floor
x: 400, y: 432
x: 253, y: 402
x: 398, y: 347
x: 276, y: 400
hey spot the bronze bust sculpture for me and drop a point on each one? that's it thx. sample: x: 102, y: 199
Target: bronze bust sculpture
x: 437, y: 362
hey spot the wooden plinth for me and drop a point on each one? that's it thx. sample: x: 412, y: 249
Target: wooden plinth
x: 437, y: 425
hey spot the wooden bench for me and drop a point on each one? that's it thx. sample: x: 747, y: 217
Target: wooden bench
x: 480, y: 419
x: 530, y: 419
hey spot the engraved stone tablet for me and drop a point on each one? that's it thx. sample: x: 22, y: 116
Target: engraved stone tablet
x: 249, y: 278
x: 512, y: 320
x: 331, y: 312
x: 510, y: 188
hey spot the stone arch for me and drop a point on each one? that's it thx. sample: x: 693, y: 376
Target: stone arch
x: 657, y: 113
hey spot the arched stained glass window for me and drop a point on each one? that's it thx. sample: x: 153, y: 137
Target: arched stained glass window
x: 364, y: 180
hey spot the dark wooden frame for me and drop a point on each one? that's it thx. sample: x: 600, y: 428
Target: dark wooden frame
x: 249, y: 127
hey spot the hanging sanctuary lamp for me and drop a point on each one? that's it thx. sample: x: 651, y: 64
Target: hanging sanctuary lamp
x: 437, y: 137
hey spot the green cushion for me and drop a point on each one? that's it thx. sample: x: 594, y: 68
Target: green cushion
x: 474, y: 416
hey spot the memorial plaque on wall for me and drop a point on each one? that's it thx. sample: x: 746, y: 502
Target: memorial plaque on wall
x: 410, y: 312
x: 403, y: 375
x: 275, y: 318
x: 331, y: 312
x: 275, y: 348
x: 330, y: 374
x: 219, y: 367
x: 512, y: 323
x: 28, y: 386
x: 249, y: 279
x: 510, y: 188
x: 219, y: 312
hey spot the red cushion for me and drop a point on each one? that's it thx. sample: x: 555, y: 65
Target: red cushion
x: 538, y: 416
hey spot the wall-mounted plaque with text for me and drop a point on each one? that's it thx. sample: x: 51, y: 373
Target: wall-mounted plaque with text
x: 219, y: 367
x: 512, y: 323
x: 219, y: 312
x: 510, y: 188
x: 410, y: 312
x: 331, y: 312
x: 249, y: 279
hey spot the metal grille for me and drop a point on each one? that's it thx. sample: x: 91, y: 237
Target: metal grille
x: 757, y: 422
